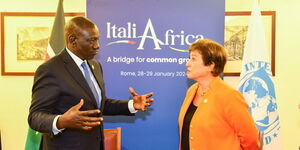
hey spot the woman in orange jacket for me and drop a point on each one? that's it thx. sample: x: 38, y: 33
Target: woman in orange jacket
x: 213, y: 116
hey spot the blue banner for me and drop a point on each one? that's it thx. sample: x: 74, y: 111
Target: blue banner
x: 144, y: 45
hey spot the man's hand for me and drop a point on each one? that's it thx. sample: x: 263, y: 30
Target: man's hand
x: 74, y: 118
x: 141, y: 102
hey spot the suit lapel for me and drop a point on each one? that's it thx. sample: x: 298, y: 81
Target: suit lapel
x: 97, y: 73
x: 96, y: 70
x: 76, y: 73
x: 189, y: 99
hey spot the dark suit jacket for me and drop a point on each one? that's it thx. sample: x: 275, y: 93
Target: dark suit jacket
x: 58, y: 85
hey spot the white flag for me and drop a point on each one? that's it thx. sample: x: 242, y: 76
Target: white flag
x: 256, y: 82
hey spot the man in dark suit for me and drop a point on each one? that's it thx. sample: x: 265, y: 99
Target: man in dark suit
x: 68, y: 94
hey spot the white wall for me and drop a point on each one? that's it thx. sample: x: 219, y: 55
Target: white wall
x: 287, y: 64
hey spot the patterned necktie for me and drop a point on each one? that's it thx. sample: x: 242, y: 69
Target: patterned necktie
x: 90, y: 82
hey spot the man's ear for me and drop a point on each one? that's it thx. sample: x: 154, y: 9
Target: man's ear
x: 72, y: 39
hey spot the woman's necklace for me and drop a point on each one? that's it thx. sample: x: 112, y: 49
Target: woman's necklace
x: 203, y: 92
x: 199, y: 95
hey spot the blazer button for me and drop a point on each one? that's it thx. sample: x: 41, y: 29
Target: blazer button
x: 192, y: 138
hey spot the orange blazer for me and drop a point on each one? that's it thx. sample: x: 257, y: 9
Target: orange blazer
x: 221, y: 121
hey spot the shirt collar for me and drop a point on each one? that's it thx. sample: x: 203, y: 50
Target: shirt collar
x: 76, y: 59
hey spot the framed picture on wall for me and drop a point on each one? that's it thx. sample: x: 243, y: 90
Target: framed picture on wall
x: 235, y: 32
x: 24, y: 40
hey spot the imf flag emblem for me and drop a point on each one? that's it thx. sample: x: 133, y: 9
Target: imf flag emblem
x: 258, y: 90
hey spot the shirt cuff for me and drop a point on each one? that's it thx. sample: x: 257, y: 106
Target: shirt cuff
x: 130, y: 107
x: 54, y: 127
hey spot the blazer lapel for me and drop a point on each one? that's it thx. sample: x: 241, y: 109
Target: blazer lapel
x: 189, y: 99
x: 98, y: 76
x: 76, y: 73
